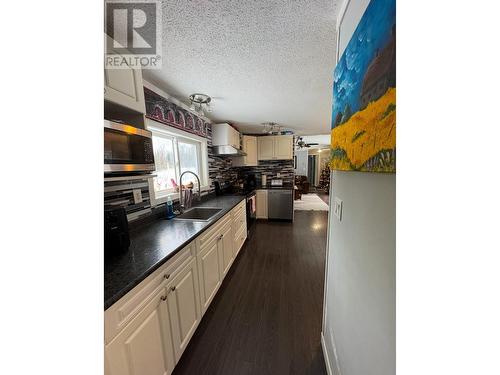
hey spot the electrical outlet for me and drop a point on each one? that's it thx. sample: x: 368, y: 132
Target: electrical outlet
x: 137, y: 195
x: 337, y: 208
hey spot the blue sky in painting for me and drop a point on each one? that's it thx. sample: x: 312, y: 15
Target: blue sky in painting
x: 372, y: 33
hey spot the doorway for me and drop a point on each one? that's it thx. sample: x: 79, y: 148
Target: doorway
x: 311, y: 169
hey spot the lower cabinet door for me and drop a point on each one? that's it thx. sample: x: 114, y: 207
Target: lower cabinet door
x: 239, y: 239
x: 209, y: 272
x: 183, y: 307
x: 144, y: 346
x: 226, y: 249
x: 261, y: 209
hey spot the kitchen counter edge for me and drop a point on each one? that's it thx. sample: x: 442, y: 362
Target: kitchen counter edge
x: 131, y: 284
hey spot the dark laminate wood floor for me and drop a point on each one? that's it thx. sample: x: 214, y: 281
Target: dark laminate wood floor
x: 266, y: 317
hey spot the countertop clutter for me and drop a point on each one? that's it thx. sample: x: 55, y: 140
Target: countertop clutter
x: 154, y: 244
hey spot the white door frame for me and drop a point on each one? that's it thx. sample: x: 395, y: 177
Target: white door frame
x: 329, y: 365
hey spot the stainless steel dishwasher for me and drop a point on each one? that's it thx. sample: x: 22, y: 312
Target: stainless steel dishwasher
x: 280, y: 204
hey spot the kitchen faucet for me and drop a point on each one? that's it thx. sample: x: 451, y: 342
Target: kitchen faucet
x: 180, y: 189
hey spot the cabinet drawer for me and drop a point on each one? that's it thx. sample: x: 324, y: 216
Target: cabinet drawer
x: 213, y: 231
x: 239, y: 207
x: 239, y: 222
x: 125, y: 309
x: 239, y: 239
x: 239, y: 213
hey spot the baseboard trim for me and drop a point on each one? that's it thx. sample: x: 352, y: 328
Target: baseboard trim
x: 331, y: 368
x: 325, y: 356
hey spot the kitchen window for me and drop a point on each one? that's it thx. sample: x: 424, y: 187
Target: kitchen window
x: 176, y: 152
x: 189, y: 155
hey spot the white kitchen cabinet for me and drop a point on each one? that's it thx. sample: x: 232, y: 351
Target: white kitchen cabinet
x: 265, y: 148
x: 144, y: 346
x: 239, y: 240
x: 249, y: 146
x: 283, y: 147
x: 210, y: 261
x: 148, y: 329
x: 215, y: 257
x: 183, y: 307
x: 209, y: 273
x: 124, y: 86
x: 235, y: 139
x: 239, y: 228
x: 276, y: 147
x: 121, y: 313
x: 226, y: 249
x: 261, y: 209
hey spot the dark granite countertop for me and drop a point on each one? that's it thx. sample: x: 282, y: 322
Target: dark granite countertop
x: 152, y: 245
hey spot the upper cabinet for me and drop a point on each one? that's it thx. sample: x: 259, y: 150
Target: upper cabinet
x: 277, y: 147
x: 124, y: 86
x: 249, y: 146
x: 265, y: 146
x: 283, y: 147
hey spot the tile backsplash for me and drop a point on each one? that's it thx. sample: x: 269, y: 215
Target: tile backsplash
x: 270, y: 168
x: 120, y: 194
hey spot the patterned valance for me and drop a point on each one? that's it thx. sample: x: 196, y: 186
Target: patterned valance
x: 160, y: 109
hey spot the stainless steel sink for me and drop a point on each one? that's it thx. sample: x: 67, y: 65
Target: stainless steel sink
x: 199, y: 214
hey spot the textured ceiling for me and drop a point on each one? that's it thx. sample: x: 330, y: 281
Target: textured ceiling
x: 259, y: 60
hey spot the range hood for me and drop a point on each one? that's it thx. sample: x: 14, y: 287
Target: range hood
x: 226, y: 140
x: 227, y: 150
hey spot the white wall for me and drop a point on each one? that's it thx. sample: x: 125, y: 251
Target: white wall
x: 359, y: 327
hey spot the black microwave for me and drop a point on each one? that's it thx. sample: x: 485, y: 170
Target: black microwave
x: 127, y: 149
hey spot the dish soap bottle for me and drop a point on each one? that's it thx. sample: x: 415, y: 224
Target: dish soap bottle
x: 170, y: 208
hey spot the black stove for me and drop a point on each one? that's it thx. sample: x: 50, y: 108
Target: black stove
x: 245, y: 188
x: 239, y: 191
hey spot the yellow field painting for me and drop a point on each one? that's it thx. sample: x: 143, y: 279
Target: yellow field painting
x: 367, y: 141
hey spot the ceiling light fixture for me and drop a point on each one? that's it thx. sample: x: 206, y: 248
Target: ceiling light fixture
x: 200, y: 103
x: 301, y: 144
x: 272, y: 128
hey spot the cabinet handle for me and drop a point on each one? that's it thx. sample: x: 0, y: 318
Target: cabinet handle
x: 220, y: 237
x: 172, y: 289
x: 166, y: 276
x: 163, y: 298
